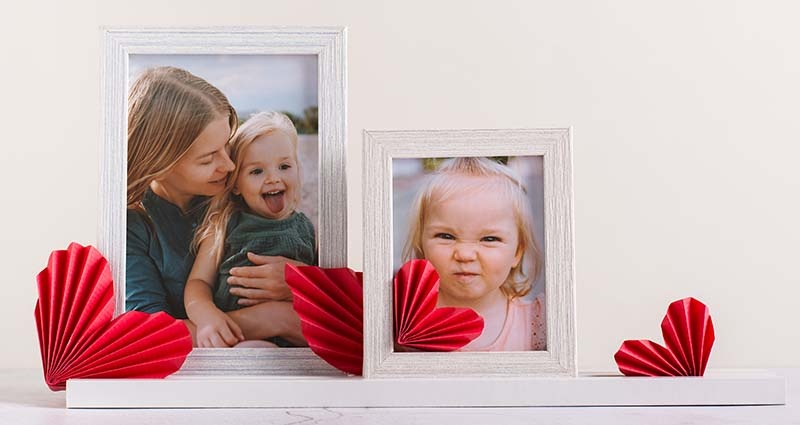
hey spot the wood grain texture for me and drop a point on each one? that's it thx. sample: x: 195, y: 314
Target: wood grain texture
x: 380, y: 147
x: 329, y: 44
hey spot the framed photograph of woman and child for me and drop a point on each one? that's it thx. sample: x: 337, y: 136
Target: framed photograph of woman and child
x: 224, y: 160
x: 491, y: 211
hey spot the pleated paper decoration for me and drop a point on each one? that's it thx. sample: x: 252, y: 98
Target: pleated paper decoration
x: 330, y: 306
x: 79, y: 339
x: 418, y: 323
x: 689, y: 335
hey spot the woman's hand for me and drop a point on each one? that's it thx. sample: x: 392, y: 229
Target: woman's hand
x: 262, y: 282
x: 216, y: 329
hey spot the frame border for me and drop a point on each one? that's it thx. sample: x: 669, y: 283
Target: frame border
x: 329, y: 45
x: 380, y: 147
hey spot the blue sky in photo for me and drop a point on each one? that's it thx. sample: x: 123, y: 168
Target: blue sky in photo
x: 252, y: 83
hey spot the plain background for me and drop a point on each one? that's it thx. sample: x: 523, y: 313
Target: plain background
x: 686, y: 139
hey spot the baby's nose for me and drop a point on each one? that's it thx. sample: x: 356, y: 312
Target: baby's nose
x: 465, y: 251
x: 271, y: 178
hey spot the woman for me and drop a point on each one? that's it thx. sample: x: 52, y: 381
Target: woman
x: 178, y: 129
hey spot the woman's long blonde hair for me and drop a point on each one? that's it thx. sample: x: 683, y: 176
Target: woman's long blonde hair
x: 168, y: 108
x: 225, y: 204
x: 444, y: 183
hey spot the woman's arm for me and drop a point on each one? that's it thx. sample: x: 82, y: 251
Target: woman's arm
x: 262, y: 282
x: 214, y: 328
x: 262, y: 286
x: 144, y: 288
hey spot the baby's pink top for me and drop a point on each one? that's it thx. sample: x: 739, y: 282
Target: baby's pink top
x: 523, y: 329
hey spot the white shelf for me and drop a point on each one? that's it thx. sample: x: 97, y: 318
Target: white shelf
x: 722, y: 387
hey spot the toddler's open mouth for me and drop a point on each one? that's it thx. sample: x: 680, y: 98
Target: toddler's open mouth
x: 274, y: 200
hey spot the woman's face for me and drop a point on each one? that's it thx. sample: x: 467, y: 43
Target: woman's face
x: 203, y: 169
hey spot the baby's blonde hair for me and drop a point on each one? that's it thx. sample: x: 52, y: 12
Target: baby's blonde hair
x: 224, y: 205
x: 168, y: 108
x: 444, y: 183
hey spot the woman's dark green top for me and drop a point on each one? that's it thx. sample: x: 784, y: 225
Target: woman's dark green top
x: 158, y: 258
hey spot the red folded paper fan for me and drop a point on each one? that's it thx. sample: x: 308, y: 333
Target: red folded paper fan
x: 330, y: 304
x: 418, y: 323
x: 689, y: 335
x: 78, y: 337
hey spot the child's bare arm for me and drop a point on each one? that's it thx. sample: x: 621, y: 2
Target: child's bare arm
x: 197, y: 293
x: 269, y: 319
x: 214, y: 328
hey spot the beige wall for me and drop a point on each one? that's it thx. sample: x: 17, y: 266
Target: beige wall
x: 685, y: 140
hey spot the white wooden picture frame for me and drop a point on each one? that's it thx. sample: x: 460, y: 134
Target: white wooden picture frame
x: 329, y: 45
x: 554, y: 145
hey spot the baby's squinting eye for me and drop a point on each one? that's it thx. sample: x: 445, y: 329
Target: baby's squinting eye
x: 256, y: 171
x: 491, y: 239
x: 285, y: 166
x: 445, y: 236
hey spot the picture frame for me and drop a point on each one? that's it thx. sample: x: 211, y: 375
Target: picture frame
x: 554, y: 146
x: 328, y: 44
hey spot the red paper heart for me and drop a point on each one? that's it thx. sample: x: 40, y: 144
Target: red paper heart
x: 689, y: 335
x: 330, y: 306
x: 418, y: 324
x: 329, y: 303
x: 79, y: 339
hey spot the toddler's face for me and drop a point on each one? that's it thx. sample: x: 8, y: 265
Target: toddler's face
x: 269, y: 180
x: 471, y: 238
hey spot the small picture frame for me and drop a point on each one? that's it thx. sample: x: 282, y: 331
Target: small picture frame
x: 386, y: 181
x: 129, y: 50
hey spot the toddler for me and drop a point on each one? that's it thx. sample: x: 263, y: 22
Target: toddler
x: 256, y: 213
x: 473, y: 221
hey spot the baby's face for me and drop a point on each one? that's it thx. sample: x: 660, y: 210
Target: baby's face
x: 269, y: 180
x: 471, y: 238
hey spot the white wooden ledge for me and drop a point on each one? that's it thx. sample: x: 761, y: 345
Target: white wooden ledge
x: 721, y: 387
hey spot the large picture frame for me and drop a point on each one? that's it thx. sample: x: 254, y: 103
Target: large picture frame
x: 554, y: 146
x: 329, y: 47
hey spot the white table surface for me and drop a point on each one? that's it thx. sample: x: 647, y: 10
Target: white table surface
x: 24, y: 399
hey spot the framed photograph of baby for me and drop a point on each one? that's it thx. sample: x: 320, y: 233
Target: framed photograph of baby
x: 224, y: 160
x: 491, y: 212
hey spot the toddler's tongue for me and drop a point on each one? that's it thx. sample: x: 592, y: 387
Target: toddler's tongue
x: 275, y: 203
